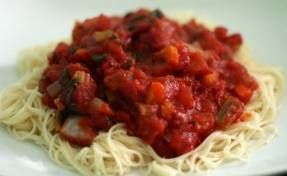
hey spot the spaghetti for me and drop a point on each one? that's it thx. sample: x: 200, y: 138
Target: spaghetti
x: 115, y: 152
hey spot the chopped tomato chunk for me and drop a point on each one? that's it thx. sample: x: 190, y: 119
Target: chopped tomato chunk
x: 220, y: 33
x: 203, y: 122
x: 150, y: 128
x: 184, y: 141
x: 98, y: 106
x: 81, y: 55
x: 234, y: 41
x: 243, y: 92
x: 185, y: 95
x: 156, y: 93
x: 197, y: 64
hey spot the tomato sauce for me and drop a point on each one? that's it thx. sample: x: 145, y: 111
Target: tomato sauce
x: 171, y: 84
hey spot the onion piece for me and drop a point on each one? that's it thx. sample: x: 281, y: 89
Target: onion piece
x: 224, y: 109
x: 101, y: 36
x: 74, y: 131
x: 54, y: 88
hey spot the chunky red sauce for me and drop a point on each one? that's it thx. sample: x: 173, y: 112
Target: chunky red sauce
x: 171, y: 84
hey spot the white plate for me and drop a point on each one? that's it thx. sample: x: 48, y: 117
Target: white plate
x: 27, y: 23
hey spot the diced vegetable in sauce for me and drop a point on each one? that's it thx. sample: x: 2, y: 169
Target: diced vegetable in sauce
x: 98, y: 58
x: 101, y: 36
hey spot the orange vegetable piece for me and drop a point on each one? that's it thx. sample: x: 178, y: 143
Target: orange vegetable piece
x: 156, y: 93
x: 210, y: 78
x: 169, y: 54
x: 243, y: 92
x: 167, y: 110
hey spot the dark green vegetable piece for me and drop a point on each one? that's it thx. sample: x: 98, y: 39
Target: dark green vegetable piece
x: 157, y: 13
x: 99, y: 57
x: 64, y: 77
x: 68, y: 93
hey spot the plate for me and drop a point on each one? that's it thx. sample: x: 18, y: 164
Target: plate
x: 32, y: 22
